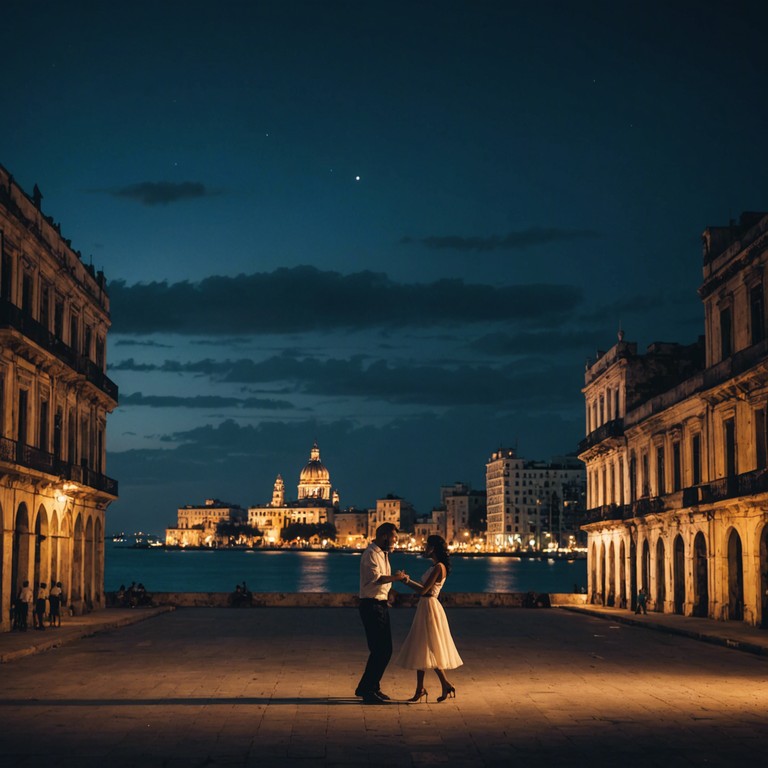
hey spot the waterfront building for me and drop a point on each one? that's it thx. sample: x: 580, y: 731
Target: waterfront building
x: 425, y: 527
x: 351, y: 528
x: 54, y: 401
x: 465, y: 514
x: 677, y: 450
x: 531, y: 504
x: 316, y: 504
x: 391, y: 509
x: 200, y: 526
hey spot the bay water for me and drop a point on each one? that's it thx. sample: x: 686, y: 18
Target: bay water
x: 199, y: 570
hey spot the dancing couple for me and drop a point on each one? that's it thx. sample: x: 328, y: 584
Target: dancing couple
x: 429, y: 644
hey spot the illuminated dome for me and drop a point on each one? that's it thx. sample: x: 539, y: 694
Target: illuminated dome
x: 314, y: 480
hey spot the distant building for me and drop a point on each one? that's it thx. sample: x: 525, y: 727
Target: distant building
x: 351, y: 528
x: 198, y: 526
x: 526, y: 501
x: 465, y: 513
x: 391, y: 509
x: 677, y: 451
x: 317, y: 503
x: 54, y: 401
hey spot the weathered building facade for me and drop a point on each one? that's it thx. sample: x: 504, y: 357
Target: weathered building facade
x: 54, y: 401
x: 200, y: 525
x: 677, y: 451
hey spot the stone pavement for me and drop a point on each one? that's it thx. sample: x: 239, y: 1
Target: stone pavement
x: 272, y: 687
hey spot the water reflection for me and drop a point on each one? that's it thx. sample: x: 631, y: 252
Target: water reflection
x: 313, y: 572
x: 501, y: 576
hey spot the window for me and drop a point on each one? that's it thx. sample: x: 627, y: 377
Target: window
x: 726, y: 340
x: 696, y: 459
x: 761, y: 439
x: 45, y: 306
x: 42, y: 440
x: 58, y: 317
x: 757, y: 314
x: 6, y: 273
x: 661, y: 486
x: 26, y: 293
x: 632, y: 478
x: 676, y: 467
x: 729, y: 430
x: 74, y: 333
x: 646, y: 485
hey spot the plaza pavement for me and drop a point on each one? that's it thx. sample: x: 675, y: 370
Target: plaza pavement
x: 273, y: 687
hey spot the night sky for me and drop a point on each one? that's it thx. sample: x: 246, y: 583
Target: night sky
x: 396, y: 228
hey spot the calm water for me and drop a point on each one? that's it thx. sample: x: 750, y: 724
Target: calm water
x: 175, y: 570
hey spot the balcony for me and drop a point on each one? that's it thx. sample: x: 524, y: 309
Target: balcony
x: 28, y: 456
x: 614, y: 428
x: 745, y: 484
x: 12, y: 317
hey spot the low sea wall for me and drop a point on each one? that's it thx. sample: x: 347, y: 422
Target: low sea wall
x: 351, y: 600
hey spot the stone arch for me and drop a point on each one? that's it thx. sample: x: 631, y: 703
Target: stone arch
x: 54, y: 548
x: 764, y: 577
x: 98, y: 543
x: 76, y: 588
x: 3, y: 596
x: 632, y: 574
x: 42, y: 548
x: 678, y: 574
x: 700, y: 576
x: 65, y: 553
x: 603, y: 558
x: 735, y: 577
x: 88, y: 591
x: 592, y: 572
x: 645, y: 567
x: 611, y: 594
x: 21, y: 557
x: 661, y: 585
x: 622, y: 575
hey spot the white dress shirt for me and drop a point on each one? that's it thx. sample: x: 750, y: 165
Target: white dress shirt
x: 374, y: 563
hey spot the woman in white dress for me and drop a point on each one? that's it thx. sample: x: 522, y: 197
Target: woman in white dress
x: 429, y: 644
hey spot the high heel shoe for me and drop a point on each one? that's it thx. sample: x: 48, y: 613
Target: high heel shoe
x: 448, y: 693
x: 419, y: 695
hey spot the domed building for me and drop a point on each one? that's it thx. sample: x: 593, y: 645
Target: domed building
x: 314, y: 480
x: 316, y: 503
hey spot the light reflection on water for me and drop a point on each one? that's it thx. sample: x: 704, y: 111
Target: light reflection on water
x: 171, y: 570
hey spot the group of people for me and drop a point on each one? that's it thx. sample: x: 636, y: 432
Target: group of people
x: 136, y: 595
x: 429, y: 644
x: 45, y: 604
x: 242, y: 597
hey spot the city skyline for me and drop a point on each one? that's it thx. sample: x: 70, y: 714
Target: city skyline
x: 397, y: 229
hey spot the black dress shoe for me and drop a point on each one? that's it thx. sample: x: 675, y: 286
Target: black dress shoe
x: 382, y: 695
x: 372, y: 698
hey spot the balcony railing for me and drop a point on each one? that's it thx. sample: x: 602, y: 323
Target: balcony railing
x: 613, y: 428
x: 12, y: 317
x: 745, y: 484
x: 30, y: 457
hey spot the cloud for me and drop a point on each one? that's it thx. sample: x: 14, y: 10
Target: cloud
x: 512, y: 241
x: 161, y: 192
x: 137, y: 343
x: 202, y: 401
x: 308, y: 299
x: 543, y: 343
x: 538, y: 384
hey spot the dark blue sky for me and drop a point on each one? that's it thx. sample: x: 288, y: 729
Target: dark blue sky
x: 396, y: 228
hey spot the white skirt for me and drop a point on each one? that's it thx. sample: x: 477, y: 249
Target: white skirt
x: 429, y: 644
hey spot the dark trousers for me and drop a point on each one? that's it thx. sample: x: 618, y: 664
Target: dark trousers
x: 375, y: 616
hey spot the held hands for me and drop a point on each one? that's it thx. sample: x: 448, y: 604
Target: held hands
x: 400, y: 576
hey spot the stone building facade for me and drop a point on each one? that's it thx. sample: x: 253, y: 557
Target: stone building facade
x: 54, y: 401
x: 391, y: 509
x: 197, y: 525
x: 532, y: 504
x: 677, y: 451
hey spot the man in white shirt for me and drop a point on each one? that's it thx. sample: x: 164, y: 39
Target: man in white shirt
x: 376, y: 580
